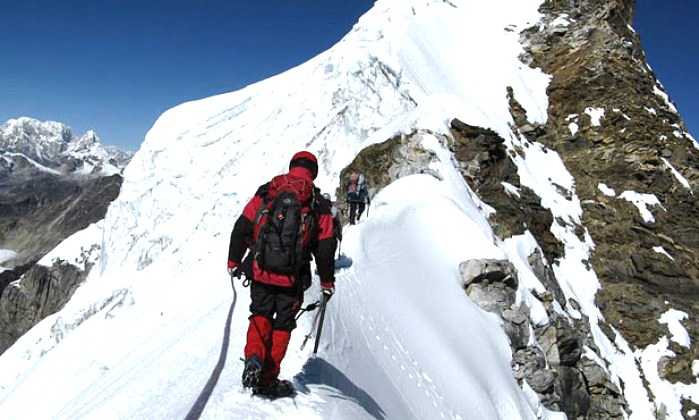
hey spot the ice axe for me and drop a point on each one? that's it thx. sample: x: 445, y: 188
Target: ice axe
x: 323, y: 303
x: 310, y: 332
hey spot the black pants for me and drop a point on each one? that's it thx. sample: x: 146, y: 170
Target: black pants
x: 354, y: 206
x: 278, y: 304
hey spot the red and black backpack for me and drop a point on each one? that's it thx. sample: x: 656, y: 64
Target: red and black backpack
x: 284, y: 228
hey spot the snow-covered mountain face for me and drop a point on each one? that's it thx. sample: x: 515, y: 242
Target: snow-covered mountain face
x: 52, y: 147
x: 530, y: 220
x: 52, y: 185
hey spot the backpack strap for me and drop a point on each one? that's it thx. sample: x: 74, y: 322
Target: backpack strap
x: 262, y: 192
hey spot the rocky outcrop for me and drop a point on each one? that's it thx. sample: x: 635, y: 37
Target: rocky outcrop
x: 41, y: 292
x: 551, y: 361
x: 486, y: 166
x: 619, y: 136
x: 10, y: 275
x: 548, y: 357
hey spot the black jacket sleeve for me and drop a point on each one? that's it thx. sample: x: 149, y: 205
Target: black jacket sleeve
x: 241, y: 237
x: 243, y: 230
x: 325, y: 250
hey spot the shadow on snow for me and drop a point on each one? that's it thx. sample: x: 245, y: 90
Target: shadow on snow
x: 317, y: 371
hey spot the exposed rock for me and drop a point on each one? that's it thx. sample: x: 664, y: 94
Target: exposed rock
x: 569, y: 345
x: 491, y: 284
x: 527, y: 361
x: 486, y: 169
x: 575, y: 399
x: 41, y: 292
x: 546, y: 337
x: 545, y: 275
x: 485, y: 165
x: 35, y: 217
x: 488, y: 271
x: 8, y: 276
x: 38, y: 213
x: 541, y: 381
x: 645, y: 266
x: 517, y: 326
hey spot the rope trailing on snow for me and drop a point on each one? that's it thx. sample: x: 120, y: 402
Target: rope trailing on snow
x: 200, y: 403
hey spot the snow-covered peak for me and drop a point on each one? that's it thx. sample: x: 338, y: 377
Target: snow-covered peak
x: 37, y: 139
x: 53, y: 146
x: 88, y: 139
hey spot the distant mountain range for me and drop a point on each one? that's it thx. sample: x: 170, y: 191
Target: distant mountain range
x: 29, y: 146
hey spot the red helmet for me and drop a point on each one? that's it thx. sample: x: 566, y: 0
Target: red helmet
x: 305, y: 160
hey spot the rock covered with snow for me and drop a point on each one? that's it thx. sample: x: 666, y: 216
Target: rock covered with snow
x: 630, y: 138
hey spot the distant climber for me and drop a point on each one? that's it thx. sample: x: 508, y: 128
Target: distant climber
x: 357, y: 195
x: 284, y: 225
x: 342, y: 260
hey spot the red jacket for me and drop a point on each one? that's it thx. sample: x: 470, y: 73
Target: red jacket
x: 322, y: 246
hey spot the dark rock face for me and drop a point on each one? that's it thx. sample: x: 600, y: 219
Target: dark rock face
x: 485, y: 165
x: 554, y: 367
x: 38, y: 213
x: 626, y: 150
x: 612, y: 124
x: 42, y: 292
x: 8, y: 276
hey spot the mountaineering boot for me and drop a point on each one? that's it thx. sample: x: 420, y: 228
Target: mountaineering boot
x: 276, y: 389
x: 252, y: 371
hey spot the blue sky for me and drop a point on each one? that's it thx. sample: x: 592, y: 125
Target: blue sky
x: 669, y: 38
x: 115, y: 65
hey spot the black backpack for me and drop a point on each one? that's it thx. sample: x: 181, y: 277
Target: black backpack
x: 284, y: 227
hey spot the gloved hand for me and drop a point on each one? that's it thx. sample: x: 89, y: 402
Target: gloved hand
x: 328, y: 290
x: 233, y: 268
